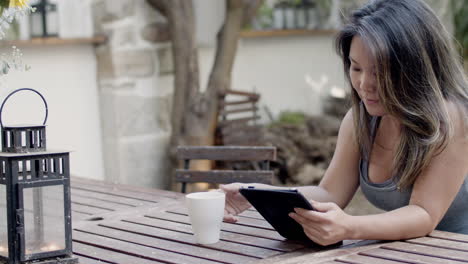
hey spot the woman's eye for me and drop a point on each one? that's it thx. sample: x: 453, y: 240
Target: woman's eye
x: 355, y: 69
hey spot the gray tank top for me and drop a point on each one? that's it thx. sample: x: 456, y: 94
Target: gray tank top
x: 387, y: 197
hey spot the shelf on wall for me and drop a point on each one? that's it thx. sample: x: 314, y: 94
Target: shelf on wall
x: 286, y: 32
x: 55, y: 41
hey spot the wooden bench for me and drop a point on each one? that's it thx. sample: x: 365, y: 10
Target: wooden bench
x: 225, y: 153
x: 238, y: 115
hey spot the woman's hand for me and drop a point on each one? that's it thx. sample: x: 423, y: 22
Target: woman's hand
x: 235, y: 202
x: 326, y: 226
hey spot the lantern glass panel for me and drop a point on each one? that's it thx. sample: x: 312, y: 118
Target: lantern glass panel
x: 3, y: 223
x: 44, y: 220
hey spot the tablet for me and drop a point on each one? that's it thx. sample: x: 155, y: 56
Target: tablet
x: 275, y: 205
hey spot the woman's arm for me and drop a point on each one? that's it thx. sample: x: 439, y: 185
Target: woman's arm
x: 433, y: 193
x: 341, y: 179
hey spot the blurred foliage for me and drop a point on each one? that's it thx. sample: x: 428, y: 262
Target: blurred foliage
x: 290, y: 118
x: 265, y: 15
x: 460, y: 20
x: 323, y: 3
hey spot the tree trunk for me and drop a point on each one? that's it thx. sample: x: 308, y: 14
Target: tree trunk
x: 194, y: 114
x: 187, y: 84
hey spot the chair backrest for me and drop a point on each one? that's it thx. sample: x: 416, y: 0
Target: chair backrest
x: 238, y: 115
x: 225, y: 153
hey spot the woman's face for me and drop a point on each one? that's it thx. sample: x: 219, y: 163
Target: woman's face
x: 363, y: 79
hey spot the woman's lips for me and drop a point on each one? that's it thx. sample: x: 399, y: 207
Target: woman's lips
x: 372, y: 101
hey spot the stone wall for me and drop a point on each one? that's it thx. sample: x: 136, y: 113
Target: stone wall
x: 135, y: 91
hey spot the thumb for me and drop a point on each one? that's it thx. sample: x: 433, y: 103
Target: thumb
x: 229, y: 218
x: 223, y: 188
x: 229, y: 188
x: 323, y: 207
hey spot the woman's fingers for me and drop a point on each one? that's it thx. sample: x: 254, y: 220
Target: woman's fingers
x: 325, y: 226
x: 230, y: 218
x: 310, y: 215
x: 313, y: 230
x: 307, y: 224
x: 235, y: 202
x: 315, y: 236
x: 300, y: 218
x: 229, y: 188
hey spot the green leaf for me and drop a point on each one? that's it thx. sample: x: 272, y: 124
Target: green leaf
x: 4, y: 3
x: 460, y: 20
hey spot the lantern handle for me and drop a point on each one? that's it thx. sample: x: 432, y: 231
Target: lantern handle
x: 24, y: 89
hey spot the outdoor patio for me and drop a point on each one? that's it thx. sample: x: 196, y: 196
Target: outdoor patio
x: 121, y: 85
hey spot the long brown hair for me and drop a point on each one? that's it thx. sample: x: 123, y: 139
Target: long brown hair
x: 417, y: 71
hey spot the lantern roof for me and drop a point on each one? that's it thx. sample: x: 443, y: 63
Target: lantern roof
x: 23, y: 126
x: 29, y: 154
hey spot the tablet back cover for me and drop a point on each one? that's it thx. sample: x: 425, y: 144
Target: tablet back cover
x: 275, y: 205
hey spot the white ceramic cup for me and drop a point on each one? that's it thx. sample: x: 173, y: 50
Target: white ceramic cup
x: 206, y: 211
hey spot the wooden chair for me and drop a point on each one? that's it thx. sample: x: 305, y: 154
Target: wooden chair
x: 238, y: 115
x: 225, y: 153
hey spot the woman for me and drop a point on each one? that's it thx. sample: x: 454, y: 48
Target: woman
x: 404, y: 142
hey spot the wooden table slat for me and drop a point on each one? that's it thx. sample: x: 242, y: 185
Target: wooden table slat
x: 78, y: 216
x: 85, y: 260
x: 110, y: 206
x: 178, y: 242
x: 449, y: 236
x: 137, y: 250
x: 273, y: 244
x: 333, y: 262
x: 247, y: 230
x: 88, y: 209
x: 404, y: 256
x: 222, y: 245
x: 322, y: 254
x: 120, y: 193
x: 92, y: 255
x: 111, y: 198
x: 442, y: 243
x: 245, y: 221
x: 364, y: 259
x: 145, y: 194
x: 428, y: 251
x: 231, y: 246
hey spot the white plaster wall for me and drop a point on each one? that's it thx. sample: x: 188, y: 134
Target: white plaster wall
x: 209, y: 16
x: 66, y: 76
x: 277, y: 67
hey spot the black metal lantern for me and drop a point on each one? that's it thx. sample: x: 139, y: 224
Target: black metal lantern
x: 35, y: 215
x: 44, y: 21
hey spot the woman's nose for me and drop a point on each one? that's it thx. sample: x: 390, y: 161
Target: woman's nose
x: 368, y: 82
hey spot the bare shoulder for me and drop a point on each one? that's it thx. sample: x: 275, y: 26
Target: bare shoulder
x: 347, y: 124
x: 457, y: 145
x: 347, y: 134
x: 458, y: 121
x: 347, y: 140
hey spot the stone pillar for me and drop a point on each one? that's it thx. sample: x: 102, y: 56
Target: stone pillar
x: 135, y: 94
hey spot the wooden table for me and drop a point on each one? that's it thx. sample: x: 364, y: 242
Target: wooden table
x: 130, y: 225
